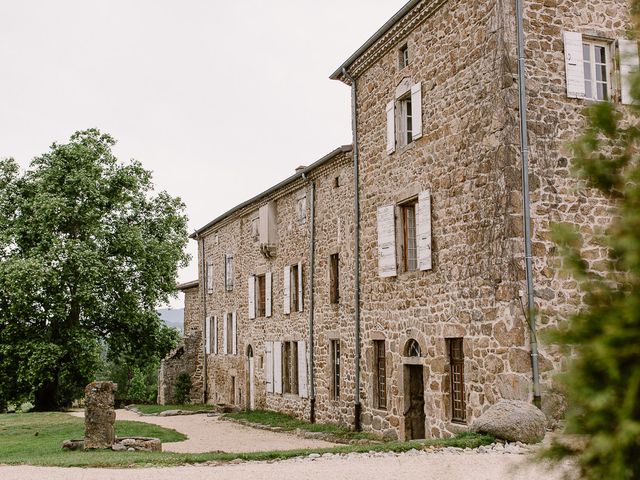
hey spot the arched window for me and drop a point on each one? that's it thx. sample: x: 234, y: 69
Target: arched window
x: 412, y: 348
x: 250, y: 351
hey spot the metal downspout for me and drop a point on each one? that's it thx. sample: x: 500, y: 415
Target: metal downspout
x: 356, y: 253
x: 524, y: 148
x: 204, y: 323
x: 312, y: 252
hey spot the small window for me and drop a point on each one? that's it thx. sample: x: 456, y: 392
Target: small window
x: 456, y: 359
x: 295, y: 288
x: 255, y: 229
x: 405, y: 121
x: 290, y: 368
x: 230, y: 335
x: 403, y: 56
x: 228, y: 272
x: 334, y: 279
x: 209, y: 274
x: 232, y: 391
x: 336, y: 181
x: 597, y: 85
x: 301, y: 209
x: 410, y: 249
x: 413, y: 348
x: 335, y: 369
x: 380, y: 374
x: 261, y: 297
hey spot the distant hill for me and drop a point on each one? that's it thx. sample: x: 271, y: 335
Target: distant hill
x: 172, y: 317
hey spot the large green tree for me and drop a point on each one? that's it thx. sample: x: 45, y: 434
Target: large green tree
x: 88, y: 250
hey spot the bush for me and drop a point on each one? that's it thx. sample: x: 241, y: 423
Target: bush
x: 182, y: 388
x: 138, y: 387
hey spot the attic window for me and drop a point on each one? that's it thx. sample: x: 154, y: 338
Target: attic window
x: 403, y: 56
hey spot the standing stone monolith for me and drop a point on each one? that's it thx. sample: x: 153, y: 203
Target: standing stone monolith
x: 99, y: 415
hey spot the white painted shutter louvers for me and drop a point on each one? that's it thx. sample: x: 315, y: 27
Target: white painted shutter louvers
x: 277, y: 367
x: 391, y: 127
x: 416, y: 110
x: 268, y: 365
x: 251, y: 296
x: 287, y: 290
x: 209, y: 273
x: 224, y: 333
x: 386, y: 241
x: 573, y: 62
x: 234, y: 337
x: 302, y: 369
x: 267, y: 294
x: 628, y: 65
x: 423, y: 230
x: 300, y: 297
x: 215, y: 335
x: 207, y: 335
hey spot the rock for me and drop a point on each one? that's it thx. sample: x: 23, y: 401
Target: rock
x: 99, y: 415
x: 169, y: 413
x: 314, y: 455
x: 118, y: 447
x: 512, y: 420
x: 131, y: 449
x: 73, y: 444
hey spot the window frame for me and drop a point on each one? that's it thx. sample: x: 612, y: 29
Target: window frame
x: 456, y: 383
x: 261, y: 295
x: 334, y: 278
x: 335, y: 369
x: 591, y: 44
x: 403, y: 56
x: 290, y: 368
x: 229, y: 322
x: 409, y: 230
x: 294, y: 288
x: 228, y: 273
x: 404, y: 134
x: 380, y: 374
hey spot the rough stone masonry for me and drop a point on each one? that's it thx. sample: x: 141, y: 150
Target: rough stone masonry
x: 99, y: 415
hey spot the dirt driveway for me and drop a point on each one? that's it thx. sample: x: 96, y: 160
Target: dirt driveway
x: 208, y: 434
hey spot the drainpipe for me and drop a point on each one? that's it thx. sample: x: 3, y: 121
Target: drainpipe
x: 524, y: 148
x: 204, y: 323
x: 356, y: 253
x: 312, y: 251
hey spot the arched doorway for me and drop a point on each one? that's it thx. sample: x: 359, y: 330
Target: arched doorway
x: 252, y: 383
x: 414, y: 416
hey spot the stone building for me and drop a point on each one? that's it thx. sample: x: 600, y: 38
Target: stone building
x: 431, y: 325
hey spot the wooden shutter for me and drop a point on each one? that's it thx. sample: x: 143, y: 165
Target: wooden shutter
x: 207, y: 335
x: 268, y: 365
x: 267, y: 294
x: 300, y: 297
x: 224, y: 333
x: 234, y: 337
x: 209, y: 274
x: 287, y: 290
x: 628, y: 65
x: 215, y: 335
x: 391, y: 127
x: 251, y: 296
x: 302, y: 369
x: 423, y: 230
x: 573, y: 64
x: 416, y: 110
x: 277, y: 367
x: 386, y: 241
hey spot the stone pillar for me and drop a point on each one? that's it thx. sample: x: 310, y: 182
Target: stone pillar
x: 99, y: 415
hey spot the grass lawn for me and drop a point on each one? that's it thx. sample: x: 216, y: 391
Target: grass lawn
x: 36, y: 438
x: 162, y: 408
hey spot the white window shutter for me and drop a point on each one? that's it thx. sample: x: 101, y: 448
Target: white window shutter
x: 268, y: 365
x: 302, y: 369
x: 215, y: 335
x: 423, y: 230
x: 300, y: 290
x: 386, y: 241
x: 277, y: 367
x: 207, y: 335
x: 628, y: 65
x: 573, y: 64
x: 391, y: 127
x: 416, y: 110
x: 209, y: 274
x: 287, y: 290
x: 267, y: 294
x: 224, y: 333
x: 234, y: 337
x: 251, y: 296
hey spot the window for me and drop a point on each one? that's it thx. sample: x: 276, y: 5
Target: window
x: 232, y: 391
x: 228, y: 272
x: 406, y: 122
x: 380, y: 373
x: 209, y: 274
x: 336, y: 181
x: 295, y: 287
x: 456, y: 359
x: 596, y: 70
x: 230, y: 333
x: 403, y: 57
x: 413, y: 348
x: 301, y: 209
x: 290, y: 367
x: 410, y: 249
x: 334, y: 279
x: 255, y: 229
x: 335, y: 369
x: 261, y: 296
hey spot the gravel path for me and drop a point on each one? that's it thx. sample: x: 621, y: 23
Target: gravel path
x: 379, y: 466
x: 209, y: 434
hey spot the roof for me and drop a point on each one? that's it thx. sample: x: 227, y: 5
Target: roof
x: 187, y: 285
x: 284, y: 183
x: 374, y: 38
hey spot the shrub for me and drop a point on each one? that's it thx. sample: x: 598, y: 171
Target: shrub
x: 182, y: 388
x: 138, y: 387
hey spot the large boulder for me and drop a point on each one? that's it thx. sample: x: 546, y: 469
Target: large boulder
x: 512, y: 420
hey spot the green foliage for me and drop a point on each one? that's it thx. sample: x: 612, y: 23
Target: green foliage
x: 182, y: 388
x: 603, y: 378
x: 138, y: 387
x: 87, y: 252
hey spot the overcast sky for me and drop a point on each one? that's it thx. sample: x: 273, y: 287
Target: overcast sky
x: 220, y: 99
